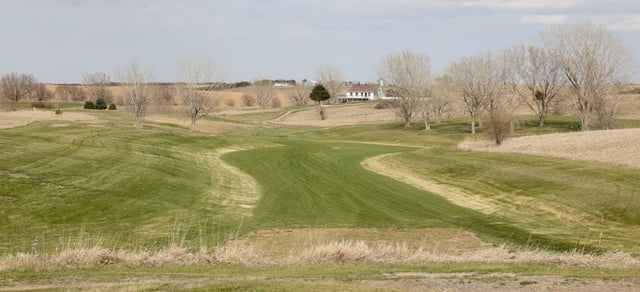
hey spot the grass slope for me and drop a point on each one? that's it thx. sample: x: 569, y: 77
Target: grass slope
x: 138, y: 188
x: 128, y: 187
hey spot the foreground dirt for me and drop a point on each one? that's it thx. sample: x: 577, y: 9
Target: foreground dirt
x: 618, y: 147
x: 393, y: 282
x: 22, y: 118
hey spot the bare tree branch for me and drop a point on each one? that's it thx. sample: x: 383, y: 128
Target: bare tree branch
x: 410, y: 76
x: 194, y: 72
x: 16, y: 86
x: 593, y: 61
x: 332, y: 79
x: 135, y: 81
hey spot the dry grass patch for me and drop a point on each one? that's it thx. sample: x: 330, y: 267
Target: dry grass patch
x: 619, y: 147
x: 204, y: 126
x: 321, y: 246
x: 232, y: 189
x: 304, y: 244
x: 382, y: 164
x: 341, y: 115
x: 22, y: 118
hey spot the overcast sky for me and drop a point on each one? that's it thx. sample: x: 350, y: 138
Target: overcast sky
x: 62, y: 40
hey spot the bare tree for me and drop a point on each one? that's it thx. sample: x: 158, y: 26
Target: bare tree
x: 16, y: 86
x: 41, y: 92
x: 248, y: 100
x: 332, y: 79
x: 537, y: 79
x: 194, y: 72
x: 97, y: 86
x: 70, y: 93
x: 299, y: 95
x: 410, y: 76
x: 593, y: 61
x: 478, y: 80
x: 441, y: 102
x: 136, y: 89
x: 499, y: 123
x: 264, y: 92
x: 504, y: 94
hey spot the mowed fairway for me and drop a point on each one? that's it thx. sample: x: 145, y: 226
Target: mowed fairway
x: 322, y: 184
x: 103, y: 183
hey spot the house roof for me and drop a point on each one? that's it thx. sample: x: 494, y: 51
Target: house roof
x: 363, y: 88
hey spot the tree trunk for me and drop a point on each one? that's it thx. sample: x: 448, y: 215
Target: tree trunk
x: 473, y: 124
x: 193, y: 123
x: 427, y: 126
x: 321, y: 110
x: 584, y: 123
x: 541, y: 121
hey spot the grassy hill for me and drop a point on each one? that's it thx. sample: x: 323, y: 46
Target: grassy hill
x: 103, y: 182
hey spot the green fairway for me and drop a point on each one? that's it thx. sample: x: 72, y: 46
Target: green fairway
x: 105, y: 181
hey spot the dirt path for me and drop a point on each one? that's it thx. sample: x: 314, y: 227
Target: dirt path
x: 396, y: 281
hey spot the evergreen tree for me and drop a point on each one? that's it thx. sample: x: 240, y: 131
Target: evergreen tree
x: 319, y: 93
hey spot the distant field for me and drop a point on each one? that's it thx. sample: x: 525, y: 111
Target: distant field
x: 246, y: 185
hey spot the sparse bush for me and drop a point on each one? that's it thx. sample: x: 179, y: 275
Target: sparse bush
x: 275, y: 103
x: 382, y: 105
x: 248, y: 100
x: 101, y: 104
x: 41, y: 104
x: 89, y: 105
x: 58, y: 111
x: 230, y: 102
x: 498, y: 125
x: 112, y: 107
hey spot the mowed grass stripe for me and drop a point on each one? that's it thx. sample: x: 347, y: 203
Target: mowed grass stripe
x: 322, y: 184
x: 113, y: 182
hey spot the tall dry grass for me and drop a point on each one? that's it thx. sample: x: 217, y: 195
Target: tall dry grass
x: 332, y: 252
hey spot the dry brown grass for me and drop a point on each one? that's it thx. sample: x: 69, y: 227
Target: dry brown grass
x: 341, y: 115
x: 321, y: 246
x: 618, y: 147
x: 21, y: 118
x: 204, y: 126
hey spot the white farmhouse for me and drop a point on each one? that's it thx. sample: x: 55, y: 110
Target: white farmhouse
x: 364, y: 92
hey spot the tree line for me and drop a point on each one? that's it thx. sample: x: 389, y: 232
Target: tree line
x: 582, y: 64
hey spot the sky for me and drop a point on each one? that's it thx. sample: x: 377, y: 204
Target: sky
x: 59, y: 41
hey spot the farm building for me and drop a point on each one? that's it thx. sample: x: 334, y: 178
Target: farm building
x: 364, y: 92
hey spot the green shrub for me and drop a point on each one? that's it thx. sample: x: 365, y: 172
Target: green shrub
x: 112, y: 107
x: 58, y: 111
x: 42, y: 104
x: 101, y: 104
x: 89, y: 105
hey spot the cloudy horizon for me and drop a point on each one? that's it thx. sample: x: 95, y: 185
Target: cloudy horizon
x: 59, y: 41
